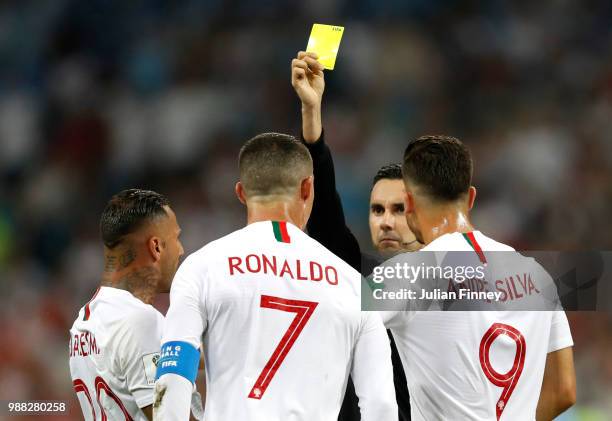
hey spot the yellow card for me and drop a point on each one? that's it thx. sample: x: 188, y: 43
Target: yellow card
x: 325, y: 41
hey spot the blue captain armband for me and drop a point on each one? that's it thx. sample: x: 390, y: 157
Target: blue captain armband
x: 180, y: 358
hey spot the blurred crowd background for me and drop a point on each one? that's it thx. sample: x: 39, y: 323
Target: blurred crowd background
x: 97, y: 96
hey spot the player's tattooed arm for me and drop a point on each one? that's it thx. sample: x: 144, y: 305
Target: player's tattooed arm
x: 309, y: 83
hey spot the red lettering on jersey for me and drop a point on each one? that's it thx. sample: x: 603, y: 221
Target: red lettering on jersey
x: 75, y: 345
x: 499, y: 287
x: 318, y: 276
x: 532, y: 285
x: 299, y: 271
x: 509, y: 290
x: 81, y: 343
x: 332, y: 280
x: 93, y: 346
x: 469, y: 284
x: 527, y: 287
x: 249, y: 259
x: 286, y: 269
x: 269, y: 264
x: 523, y: 282
x: 516, y: 293
x: 235, y: 265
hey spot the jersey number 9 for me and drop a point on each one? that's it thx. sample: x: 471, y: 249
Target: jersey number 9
x: 509, y: 379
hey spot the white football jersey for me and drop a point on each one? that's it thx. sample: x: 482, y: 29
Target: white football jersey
x: 481, y: 365
x: 114, y: 346
x: 282, y: 330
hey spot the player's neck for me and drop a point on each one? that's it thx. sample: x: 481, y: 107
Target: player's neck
x: 275, y: 211
x: 141, y: 282
x: 444, y: 220
x: 123, y: 270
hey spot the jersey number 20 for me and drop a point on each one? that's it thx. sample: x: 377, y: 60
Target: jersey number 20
x: 80, y: 387
x: 303, y: 310
x: 509, y: 379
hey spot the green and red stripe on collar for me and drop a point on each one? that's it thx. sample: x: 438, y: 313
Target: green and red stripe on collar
x: 471, y: 239
x: 87, y: 310
x: 280, y: 231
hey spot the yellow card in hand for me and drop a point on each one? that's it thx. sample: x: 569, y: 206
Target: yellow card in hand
x: 325, y: 41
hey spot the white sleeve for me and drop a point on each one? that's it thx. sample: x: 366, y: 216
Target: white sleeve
x: 174, y: 395
x: 395, y: 319
x: 560, y: 334
x: 185, y: 322
x: 137, y: 349
x: 386, y: 288
x: 186, y: 317
x: 372, y: 371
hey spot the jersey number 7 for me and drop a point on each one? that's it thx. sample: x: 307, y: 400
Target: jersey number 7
x: 303, y: 310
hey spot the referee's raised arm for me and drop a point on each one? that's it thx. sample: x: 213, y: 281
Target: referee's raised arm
x: 326, y: 224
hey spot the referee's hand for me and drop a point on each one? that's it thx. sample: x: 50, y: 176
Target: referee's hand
x: 307, y: 78
x: 309, y: 83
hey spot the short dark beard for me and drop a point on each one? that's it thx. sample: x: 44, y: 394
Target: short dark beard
x: 140, y: 282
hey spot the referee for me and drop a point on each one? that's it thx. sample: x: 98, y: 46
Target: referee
x: 388, y: 227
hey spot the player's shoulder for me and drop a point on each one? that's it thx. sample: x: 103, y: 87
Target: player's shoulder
x: 466, y: 241
x: 127, y: 311
x: 325, y: 254
x: 221, y: 246
x: 266, y: 235
x: 144, y: 315
x: 114, y: 313
x: 138, y: 325
x: 487, y: 243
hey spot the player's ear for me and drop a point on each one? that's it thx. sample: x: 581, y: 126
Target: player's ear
x: 471, y: 196
x: 154, y: 245
x: 409, y: 203
x: 240, y: 193
x: 307, y: 188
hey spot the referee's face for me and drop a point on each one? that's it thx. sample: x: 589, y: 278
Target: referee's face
x: 388, y: 226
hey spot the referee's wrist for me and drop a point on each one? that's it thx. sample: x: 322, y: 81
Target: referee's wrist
x: 317, y: 145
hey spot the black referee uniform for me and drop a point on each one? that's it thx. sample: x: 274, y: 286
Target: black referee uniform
x: 328, y: 226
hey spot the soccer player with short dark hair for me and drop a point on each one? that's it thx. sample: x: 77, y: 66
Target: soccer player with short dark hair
x: 114, y: 342
x: 281, y: 315
x: 488, y: 364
